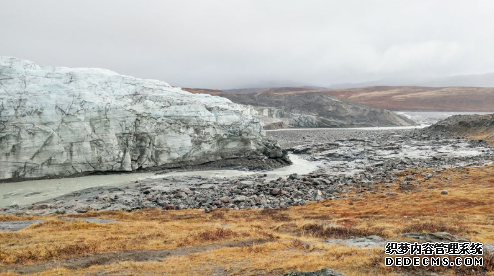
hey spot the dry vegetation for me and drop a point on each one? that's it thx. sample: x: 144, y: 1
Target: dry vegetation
x: 256, y: 242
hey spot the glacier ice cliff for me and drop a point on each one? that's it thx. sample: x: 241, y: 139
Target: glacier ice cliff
x: 57, y: 121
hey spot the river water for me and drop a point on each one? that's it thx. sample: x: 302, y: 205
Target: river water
x: 28, y: 192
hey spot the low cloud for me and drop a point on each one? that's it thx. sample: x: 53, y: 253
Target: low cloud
x: 242, y: 43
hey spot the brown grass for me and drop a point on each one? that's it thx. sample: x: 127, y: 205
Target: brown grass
x: 295, y: 238
x: 321, y: 231
x: 217, y: 234
x: 434, y: 226
x: 274, y: 214
x: 43, y: 253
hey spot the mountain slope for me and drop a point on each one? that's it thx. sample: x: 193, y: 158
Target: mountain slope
x: 318, y: 109
x: 420, y: 98
x: 479, y: 99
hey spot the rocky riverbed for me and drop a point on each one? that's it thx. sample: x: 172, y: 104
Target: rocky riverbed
x: 349, y: 163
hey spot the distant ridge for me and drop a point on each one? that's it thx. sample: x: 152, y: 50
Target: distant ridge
x: 424, y: 98
x: 473, y: 80
x: 307, y: 107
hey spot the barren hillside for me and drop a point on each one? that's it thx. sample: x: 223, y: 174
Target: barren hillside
x: 326, y: 110
x: 472, y: 126
x: 421, y: 98
x: 392, y: 97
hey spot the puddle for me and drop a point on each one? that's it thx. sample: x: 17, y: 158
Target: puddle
x: 16, y: 224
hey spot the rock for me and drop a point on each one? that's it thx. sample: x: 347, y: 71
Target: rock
x: 322, y: 272
x: 489, y: 247
x: 170, y: 207
x: 444, y: 192
x: 247, y: 183
x: 225, y: 199
x: 81, y: 210
x: 366, y: 242
x: 60, y: 211
x: 240, y: 199
x: 57, y: 121
x: 319, y: 196
x: 435, y: 237
x: 187, y: 191
x: 275, y: 191
x: 98, y: 220
x: 293, y: 176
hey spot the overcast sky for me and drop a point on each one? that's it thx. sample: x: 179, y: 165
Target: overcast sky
x: 246, y: 43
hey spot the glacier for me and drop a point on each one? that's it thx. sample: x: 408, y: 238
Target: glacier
x: 58, y: 121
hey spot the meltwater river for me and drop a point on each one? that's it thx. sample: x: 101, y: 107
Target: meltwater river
x: 32, y: 191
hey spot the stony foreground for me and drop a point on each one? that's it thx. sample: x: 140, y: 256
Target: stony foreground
x: 344, y: 235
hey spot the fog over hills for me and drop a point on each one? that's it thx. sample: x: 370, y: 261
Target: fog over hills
x: 471, y: 80
x: 474, y: 80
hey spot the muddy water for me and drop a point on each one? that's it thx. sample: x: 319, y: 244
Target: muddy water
x: 299, y: 166
x: 27, y: 192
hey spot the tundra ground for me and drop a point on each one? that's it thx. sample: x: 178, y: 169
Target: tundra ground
x: 257, y: 242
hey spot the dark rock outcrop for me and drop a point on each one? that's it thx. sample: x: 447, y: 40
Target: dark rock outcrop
x: 473, y: 126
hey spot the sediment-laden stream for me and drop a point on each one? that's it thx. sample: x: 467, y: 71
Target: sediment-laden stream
x: 32, y: 191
